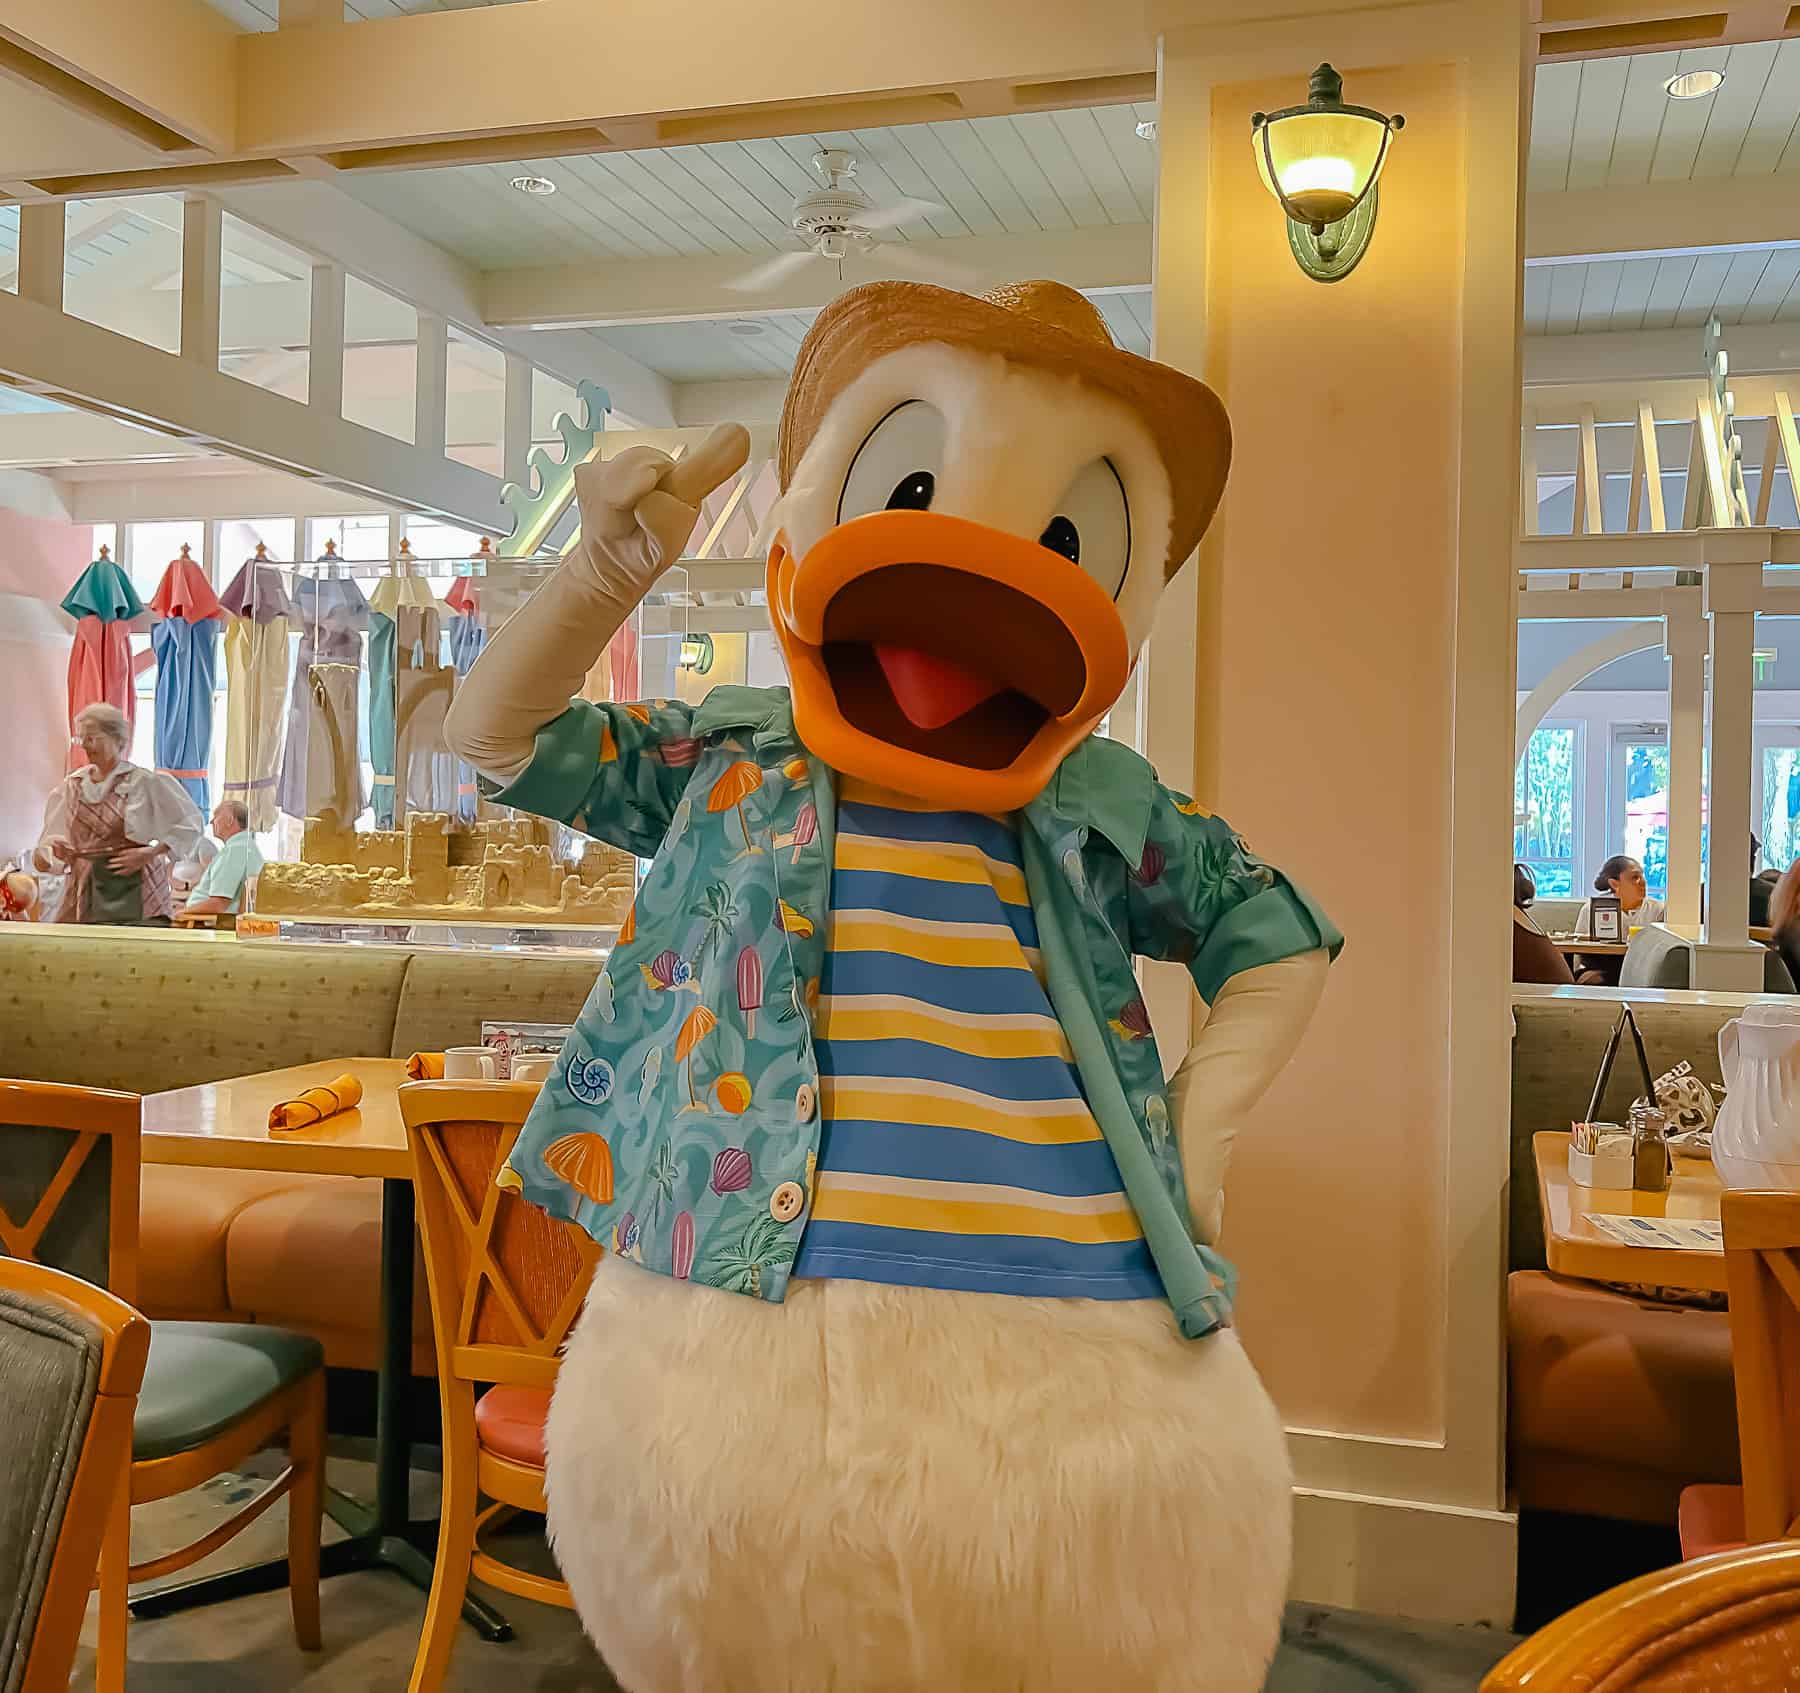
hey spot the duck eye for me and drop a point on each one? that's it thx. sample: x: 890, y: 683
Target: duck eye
x: 896, y: 468
x: 913, y: 493
x: 1061, y: 536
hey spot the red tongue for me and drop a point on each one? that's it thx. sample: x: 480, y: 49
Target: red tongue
x: 932, y: 691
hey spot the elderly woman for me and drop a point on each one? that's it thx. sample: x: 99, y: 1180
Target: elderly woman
x: 116, y: 828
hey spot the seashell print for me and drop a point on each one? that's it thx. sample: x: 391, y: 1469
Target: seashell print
x: 625, y: 1233
x: 668, y: 970
x: 1150, y: 866
x: 590, y: 1079
x: 583, y: 1162
x: 681, y: 1246
x: 731, y: 1092
x: 679, y: 754
x: 731, y: 1171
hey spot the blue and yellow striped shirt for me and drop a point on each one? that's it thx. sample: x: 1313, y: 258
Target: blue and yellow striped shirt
x: 957, y: 1149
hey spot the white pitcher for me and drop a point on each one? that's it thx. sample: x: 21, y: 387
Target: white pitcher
x: 1756, y: 1138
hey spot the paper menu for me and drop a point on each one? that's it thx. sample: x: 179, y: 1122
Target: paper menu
x: 1679, y: 1234
x: 510, y: 1040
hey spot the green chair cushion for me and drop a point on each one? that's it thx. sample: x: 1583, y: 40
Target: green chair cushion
x: 204, y: 1377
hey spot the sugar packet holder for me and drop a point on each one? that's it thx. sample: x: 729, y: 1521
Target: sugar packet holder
x: 1600, y: 1154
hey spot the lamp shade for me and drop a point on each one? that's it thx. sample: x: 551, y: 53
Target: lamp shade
x: 1320, y: 160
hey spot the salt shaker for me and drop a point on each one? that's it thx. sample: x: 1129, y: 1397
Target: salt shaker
x: 1649, y: 1149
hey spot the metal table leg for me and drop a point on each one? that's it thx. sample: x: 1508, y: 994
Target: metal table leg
x: 385, y: 1537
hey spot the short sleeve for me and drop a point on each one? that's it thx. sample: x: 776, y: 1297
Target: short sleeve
x: 1202, y: 898
x: 615, y: 772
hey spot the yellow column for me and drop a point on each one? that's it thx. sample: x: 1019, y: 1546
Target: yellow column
x: 1353, y: 666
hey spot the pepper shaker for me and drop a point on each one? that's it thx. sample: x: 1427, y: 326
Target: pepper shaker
x: 1649, y: 1148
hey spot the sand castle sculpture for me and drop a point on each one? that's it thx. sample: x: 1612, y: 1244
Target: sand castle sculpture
x: 494, y: 870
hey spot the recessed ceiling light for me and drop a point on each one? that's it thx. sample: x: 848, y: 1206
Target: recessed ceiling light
x: 1694, y: 85
x: 747, y: 326
x: 1147, y: 130
x: 534, y: 184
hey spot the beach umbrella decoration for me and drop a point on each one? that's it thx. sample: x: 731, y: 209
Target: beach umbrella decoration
x: 101, y: 670
x: 729, y: 792
x: 185, y: 640
x: 584, y: 1162
x: 699, y: 1023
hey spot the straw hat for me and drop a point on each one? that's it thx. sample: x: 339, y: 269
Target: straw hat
x: 1034, y: 323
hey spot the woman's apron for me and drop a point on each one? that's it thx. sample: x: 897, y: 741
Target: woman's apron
x: 95, y: 892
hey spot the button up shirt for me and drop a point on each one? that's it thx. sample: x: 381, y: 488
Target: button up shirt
x: 680, y: 1126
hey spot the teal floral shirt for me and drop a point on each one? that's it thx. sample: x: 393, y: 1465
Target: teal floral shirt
x: 681, y: 1125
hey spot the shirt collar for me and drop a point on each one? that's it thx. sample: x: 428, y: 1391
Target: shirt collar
x: 1102, y: 785
x: 732, y: 706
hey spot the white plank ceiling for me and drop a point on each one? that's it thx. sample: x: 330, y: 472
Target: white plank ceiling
x: 1048, y: 170
x: 263, y: 14
x: 1756, y: 285
x: 1600, y: 123
x: 721, y: 351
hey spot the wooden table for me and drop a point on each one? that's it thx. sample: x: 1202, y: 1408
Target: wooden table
x: 1574, y: 1247
x: 225, y: 1126
x: 1570, y: 947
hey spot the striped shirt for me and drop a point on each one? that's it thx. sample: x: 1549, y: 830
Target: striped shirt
x: 957, y: 1150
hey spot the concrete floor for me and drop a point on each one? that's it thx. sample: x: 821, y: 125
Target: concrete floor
x: 371, y: 1627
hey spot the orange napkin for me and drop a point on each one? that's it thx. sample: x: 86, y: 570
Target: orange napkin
x: 315, y: 1105
x: 426, y: 1067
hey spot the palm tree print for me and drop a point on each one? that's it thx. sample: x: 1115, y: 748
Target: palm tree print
x: 664, y: 1173
x: 720, y: 913
x: 738, y: 1268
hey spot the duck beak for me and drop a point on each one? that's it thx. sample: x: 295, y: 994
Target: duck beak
x: 942, y: 658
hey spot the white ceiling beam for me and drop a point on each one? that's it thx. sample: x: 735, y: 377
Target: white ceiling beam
x: 327, y: 223
x: 570, y: 65
x: 35, y: 439
x: 675, y: 290
x: 161, y: 73
x: 1611, y: 222
x: 1587, y: 29
x: 173, y: 499
x: 97, y: 370
x: 1658, y: 355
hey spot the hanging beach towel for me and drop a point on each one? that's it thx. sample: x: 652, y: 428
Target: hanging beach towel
x: 185, y: 640
x: 256, y: 675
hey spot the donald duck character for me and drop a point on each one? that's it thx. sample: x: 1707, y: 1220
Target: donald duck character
x: 912, y: 1367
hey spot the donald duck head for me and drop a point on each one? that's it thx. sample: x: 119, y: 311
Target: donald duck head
x: 982, y: 500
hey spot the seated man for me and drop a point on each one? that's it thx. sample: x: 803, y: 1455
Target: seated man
x: 221, y: 888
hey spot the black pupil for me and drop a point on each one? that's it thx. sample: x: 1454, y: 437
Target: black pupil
x: 1061, y: 536
x: 914, y: 493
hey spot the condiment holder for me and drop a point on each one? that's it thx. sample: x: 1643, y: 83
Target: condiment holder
x: 1609, y: 1156
x: 1600, y: 1155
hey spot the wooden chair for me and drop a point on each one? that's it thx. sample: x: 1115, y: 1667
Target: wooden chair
x: 213, y: 1393
x: 507, y: 1281
x: 1729, y: 1621
x: 1762, y: 1267
x: 71, y: 1361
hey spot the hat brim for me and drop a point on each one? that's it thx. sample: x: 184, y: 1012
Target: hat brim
x: 1185, y: 417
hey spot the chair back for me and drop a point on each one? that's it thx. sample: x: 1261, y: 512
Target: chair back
x: 1762, y: 1268
x: 69, y: 1180
x: 71, y: 1363
x: 1728, y: 1621
x: 507, y: 1280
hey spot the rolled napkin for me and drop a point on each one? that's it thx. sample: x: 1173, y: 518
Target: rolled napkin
x: 315, y: 1105
x: 426, y: 1067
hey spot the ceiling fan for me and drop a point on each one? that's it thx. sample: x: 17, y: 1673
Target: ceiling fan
x: 838, y: 221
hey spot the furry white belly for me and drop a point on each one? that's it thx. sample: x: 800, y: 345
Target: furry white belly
x: 871, y: 1489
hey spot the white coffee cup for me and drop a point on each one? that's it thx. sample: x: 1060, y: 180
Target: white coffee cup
x: 468, y: 1064
x: 533, y: 1067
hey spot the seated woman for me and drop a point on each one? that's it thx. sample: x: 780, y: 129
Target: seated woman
x: 1623, y: 877
x: 1535, y: 958
x: 116, y: 829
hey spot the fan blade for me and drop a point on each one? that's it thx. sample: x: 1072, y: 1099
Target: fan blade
x: 902, y: 211
x: 915, y: 258
x: 767, y: 275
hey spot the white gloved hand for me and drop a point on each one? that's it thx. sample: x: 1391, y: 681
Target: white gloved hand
x: 1254, y: 1028
x: 636, y: 510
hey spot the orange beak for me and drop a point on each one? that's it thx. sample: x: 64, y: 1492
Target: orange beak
x: 943, y: 659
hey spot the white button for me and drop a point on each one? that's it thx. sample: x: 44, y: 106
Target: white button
x: 806, y: 1101
x: 787, y: 1202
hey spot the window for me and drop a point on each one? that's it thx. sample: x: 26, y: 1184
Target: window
x: 1778, y: 809
x: 1545, y: 805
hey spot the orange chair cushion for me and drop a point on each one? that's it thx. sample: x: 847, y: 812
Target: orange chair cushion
x: 185, y: 1218
x: 1711, y: 1520
x: 1615, y: 1404
x: 509, y: 1422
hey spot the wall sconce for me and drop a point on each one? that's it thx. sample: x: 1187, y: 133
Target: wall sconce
x: 1321, y: 162
x: 696, y: 653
